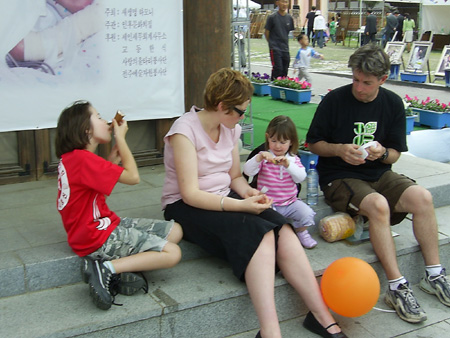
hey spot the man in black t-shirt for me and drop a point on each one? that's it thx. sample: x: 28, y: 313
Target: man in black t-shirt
x: 310, y: 18
x: 278, y: 26
x: 358, y: 131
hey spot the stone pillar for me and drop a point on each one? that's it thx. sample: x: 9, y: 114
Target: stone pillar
x: 207, y: 44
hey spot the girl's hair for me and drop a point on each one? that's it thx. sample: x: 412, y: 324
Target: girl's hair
x: 228, y: 86
x: 284, y: 128
x: 72, y: 131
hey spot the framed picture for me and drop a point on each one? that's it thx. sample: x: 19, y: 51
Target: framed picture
x: 444, y: 62
x: 419, y: 55
x: 395, y: 51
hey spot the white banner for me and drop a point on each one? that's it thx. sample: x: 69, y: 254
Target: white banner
x: 117, y: 54
x: 435, y: 2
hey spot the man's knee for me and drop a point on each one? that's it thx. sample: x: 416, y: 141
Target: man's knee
x: 375, y: 205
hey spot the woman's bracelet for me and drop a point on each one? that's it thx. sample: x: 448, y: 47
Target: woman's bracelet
x: 221, y: 203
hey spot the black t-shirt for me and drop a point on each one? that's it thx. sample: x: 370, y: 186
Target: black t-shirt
x: 279, y: 27
x: 341, y: 118
x: 311, y: 16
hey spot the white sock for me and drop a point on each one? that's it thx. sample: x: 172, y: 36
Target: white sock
x: 433, y: 270
x: 394, y: 283
x: 110, y: 266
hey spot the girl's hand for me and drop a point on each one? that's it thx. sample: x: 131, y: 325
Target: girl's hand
x: 251, y: 192
x: 264, y: 155
x: 281, y: 160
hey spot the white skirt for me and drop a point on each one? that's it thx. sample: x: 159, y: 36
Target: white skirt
x: 409, y: 36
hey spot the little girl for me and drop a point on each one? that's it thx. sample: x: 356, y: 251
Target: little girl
x: 111, y: 247
x: 279, y: 170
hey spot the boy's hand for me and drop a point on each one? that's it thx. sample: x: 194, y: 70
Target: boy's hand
x: 120, y: 130
x: 114, y: 156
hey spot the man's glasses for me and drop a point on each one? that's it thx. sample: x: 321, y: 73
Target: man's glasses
x: 239, y: 111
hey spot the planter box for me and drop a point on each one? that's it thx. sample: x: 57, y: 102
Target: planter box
x: 433, y: 119
x: 261, y: 89
x: 306, y: 157
x: 410, y: 123
x: 395, y: 70
x: 413, y: 77
x: 292, y: 95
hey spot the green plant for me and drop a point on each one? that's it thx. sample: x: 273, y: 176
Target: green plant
x: 292, y: 83
x: 428, y: 104
x: 303, y: 146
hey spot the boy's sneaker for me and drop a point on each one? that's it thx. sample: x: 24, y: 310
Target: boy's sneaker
x: 307, y: 241
x: 405, y: 304
x: 99, y: 278
x: 437, y: 285
x: 128, y: 283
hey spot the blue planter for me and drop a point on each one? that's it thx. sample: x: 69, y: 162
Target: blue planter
x: 261, y: 89
x: 413, y: 77
x: 433, y: 119
x: 306, y: 157
x: 395, y: 70
x: 296, y: 96
x: 410, y: 124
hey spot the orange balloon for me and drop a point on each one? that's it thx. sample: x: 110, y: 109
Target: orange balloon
x: 350, y: 287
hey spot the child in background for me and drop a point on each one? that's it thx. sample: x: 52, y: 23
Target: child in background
x: 303, y: 58
x: 279, y: 170
x: 332, y: 28
x: 112, y: 248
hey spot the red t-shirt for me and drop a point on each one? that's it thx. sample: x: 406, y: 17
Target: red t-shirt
x: 83, y: 181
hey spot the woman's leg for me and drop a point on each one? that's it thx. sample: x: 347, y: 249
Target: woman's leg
x: 294, y: 265
x: 260, y: 280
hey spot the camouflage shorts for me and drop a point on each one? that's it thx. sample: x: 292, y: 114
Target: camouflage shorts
x: 134, y: 235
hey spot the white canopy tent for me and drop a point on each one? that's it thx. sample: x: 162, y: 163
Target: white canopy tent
x: 435, y: 16
x: 244, y: 3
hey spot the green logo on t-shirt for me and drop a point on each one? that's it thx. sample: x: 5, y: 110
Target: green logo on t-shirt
x: 364, y: 132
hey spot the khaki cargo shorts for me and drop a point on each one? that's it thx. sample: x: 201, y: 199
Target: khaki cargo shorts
x: 134, y: 235
x: 346, y: 194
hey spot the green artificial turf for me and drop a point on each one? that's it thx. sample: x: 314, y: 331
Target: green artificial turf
x: 264, y: 109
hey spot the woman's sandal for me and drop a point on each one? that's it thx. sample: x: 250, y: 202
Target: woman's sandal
x: 314, y: 326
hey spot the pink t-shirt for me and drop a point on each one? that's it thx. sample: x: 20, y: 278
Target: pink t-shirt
x: 214, y: 159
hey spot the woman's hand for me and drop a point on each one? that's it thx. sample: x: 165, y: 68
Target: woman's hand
x: 256, y: 204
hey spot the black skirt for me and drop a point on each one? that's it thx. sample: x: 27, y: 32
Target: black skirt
x: 232, y: 236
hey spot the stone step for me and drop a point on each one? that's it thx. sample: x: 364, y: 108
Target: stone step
x: 200, y: 297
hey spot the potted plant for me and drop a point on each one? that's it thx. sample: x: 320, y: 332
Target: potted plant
x: 306, y: 156
x: 430, y: 112
x: 260, y: 83
x: 410, y: 117
x: 291, y: 89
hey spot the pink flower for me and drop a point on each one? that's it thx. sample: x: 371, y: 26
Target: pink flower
x: 444, y: 105
x: 437, y: 101
x: 303, y: 85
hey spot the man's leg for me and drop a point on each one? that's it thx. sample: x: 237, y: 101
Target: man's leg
x: 277, y: 63
x: 418, y: 201
x: 286, y: 59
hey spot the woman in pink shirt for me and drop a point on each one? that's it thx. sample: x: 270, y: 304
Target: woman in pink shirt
x: 205, y: 192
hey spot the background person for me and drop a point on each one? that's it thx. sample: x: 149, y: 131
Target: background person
x: 370, y: 31
x: 278, y: 26
x: 408, y: 29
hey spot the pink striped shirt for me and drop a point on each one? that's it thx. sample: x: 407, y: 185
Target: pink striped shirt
x: 281, y: 181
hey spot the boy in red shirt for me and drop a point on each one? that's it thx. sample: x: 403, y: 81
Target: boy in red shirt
x: 112, y: 247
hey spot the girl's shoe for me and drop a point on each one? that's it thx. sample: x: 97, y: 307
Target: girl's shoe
x: 307, y: 241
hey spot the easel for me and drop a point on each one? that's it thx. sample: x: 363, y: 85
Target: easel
x: 430, y: 39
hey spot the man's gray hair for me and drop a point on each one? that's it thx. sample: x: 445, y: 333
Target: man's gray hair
x: 370, y: 59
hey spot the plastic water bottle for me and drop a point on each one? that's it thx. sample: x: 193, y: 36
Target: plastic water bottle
x: 312, y: 180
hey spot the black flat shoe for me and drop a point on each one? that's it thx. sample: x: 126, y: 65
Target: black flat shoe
x: 314, y: 326
x: 258, y: 335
